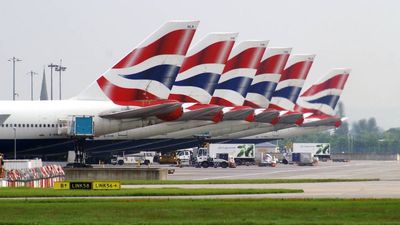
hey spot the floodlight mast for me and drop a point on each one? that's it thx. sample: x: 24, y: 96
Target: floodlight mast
x: 13, y: 60
x: 32, y: 73
x: 60, y: 68
x: 51, y: 65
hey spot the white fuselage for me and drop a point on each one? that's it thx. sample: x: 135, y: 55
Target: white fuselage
x: 41, y: 119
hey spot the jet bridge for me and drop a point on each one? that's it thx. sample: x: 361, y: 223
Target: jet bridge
x: 78, y: 128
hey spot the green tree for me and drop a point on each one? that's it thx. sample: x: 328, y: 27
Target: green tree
x: 343, y: 130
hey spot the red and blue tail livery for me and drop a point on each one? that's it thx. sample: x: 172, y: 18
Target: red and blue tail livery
x: 323, y: 96
x: 147, y: 72
x: 291, y: 82
x: 202, y: 68
x: 267, y: 77
x: 238, y: 73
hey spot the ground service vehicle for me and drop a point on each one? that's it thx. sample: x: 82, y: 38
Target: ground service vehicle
x: 184, y: 157
x: 267, y: 160
x: 168, y: 158
x: 300, y: 158
x: 203, y: 159
x: 145, y: 158
x: 320, y: 150
x: 243, y: 154
x: 200, y: 157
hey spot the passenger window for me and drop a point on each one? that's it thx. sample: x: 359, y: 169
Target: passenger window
x: 19, y: 125
x: 23, y: 125
x: 40, y: 125
x: 52, y: 125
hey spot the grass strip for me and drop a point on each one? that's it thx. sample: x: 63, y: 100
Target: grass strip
x: 240, y: 181
x: 31, y: 192
x: 217, y: 211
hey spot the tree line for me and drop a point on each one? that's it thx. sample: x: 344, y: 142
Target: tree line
x: 363, y: 136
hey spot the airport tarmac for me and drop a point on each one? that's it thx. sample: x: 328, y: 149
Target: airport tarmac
x: 388, y: 185
x: 361, y: 169
x: 388, y: 173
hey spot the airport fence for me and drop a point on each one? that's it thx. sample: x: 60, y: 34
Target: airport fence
x: 366, y: 156
x: 39, y: 177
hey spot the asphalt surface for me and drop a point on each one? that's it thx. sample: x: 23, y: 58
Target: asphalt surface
x: 383, y: 170
x: 388, y: 186
x: 388, y: 173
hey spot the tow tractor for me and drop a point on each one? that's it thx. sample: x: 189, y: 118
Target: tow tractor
x: 204, y: 160
x: 199, y: 157
x: 184, y: 157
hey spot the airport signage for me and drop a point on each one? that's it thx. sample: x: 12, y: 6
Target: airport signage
x: 87, y: 185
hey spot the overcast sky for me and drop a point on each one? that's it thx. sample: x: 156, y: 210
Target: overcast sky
x: 90, y: 36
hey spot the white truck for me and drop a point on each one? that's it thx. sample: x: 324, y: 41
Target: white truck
x: 243, y: 154
x: 200, y: 157
x: 184, y: 157
x: 320, y: 150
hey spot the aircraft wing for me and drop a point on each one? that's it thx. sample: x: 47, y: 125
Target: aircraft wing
x: 148, y: 111
x: 3, y: 117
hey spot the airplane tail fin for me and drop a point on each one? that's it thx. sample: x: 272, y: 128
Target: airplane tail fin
x: 148, y: 71
x: 291, y: 82
x: 267, y: 77
x: 323, y: 96
x: 238, y: 73
x: 202, y: 67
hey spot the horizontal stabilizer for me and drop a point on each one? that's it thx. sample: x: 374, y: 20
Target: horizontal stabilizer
x: 3, y: 117
x: 267, y: 116
x: 331, y: 121
x: 238, y: 114
x: 208, y: 113
x: 291, y: 118
x: 132, y: 113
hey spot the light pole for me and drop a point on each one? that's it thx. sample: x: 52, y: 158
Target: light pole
x: 32, y: 73
x: 51, y: 79
x: 60, y: 68
x: 15, y: 142
x: 379, y: 144
x: 348, y: 143
x: 13, y: 60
